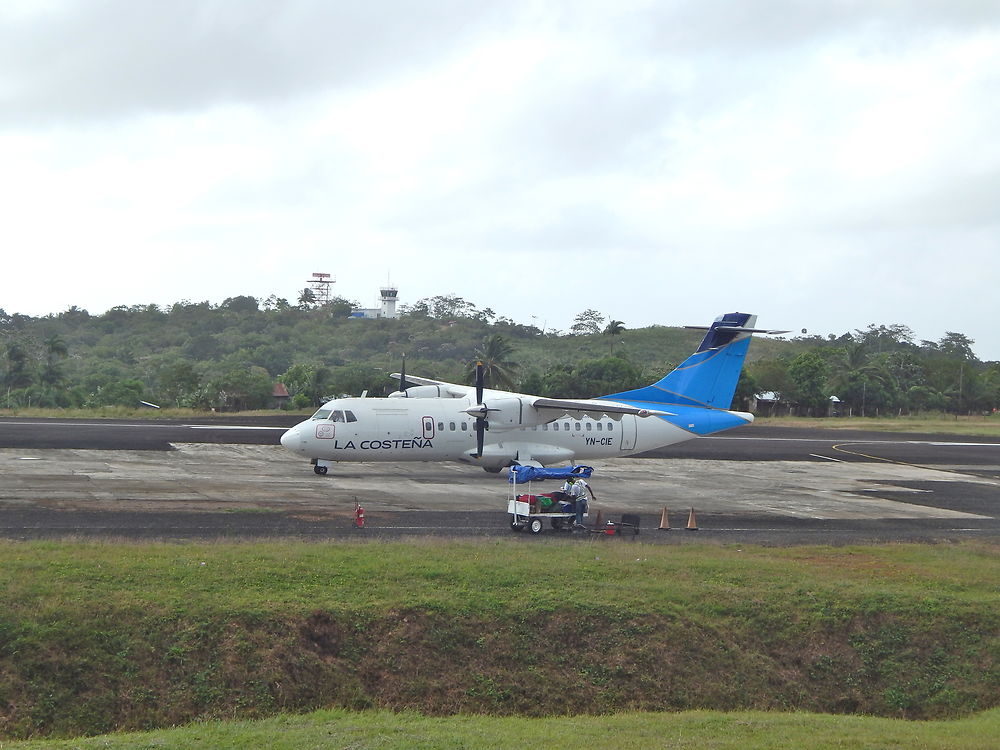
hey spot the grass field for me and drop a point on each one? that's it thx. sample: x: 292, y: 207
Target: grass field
x: 518, y: 643
x: 939, y: 424
x: 689, y: 730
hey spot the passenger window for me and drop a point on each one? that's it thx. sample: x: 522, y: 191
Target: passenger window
x: 350, y: 416
x: 611, y: 426
x: 589, y: 426
x: 440, y: 426
x: 555, y: 426
x: 451, y: 426
x: 577, y: 426
x: 600, y: 426
x: 465, y: 427
x: 545, y: 427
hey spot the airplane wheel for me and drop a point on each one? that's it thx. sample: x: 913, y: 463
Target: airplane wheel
x: 321, y: 470
x: 535, y: 525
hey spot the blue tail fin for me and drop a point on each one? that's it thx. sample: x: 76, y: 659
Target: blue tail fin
x: 709, y: 376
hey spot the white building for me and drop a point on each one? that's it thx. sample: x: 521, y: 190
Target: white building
x: 388, y: 309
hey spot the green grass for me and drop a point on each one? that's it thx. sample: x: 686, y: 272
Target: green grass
x: 130, y: 412
x: 693, y: 730
x: 943, y: 424
x: 476, y: 578
x: 97, y: 637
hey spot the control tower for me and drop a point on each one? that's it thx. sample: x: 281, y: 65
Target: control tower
x: 388, y: 301
x: 388, y: 309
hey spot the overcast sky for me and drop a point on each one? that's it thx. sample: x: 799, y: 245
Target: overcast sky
x: 825, y: 165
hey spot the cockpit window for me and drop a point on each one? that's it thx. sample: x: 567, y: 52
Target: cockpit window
x: 337, y: 416
x: 322, y: 414
x: 350, y: 416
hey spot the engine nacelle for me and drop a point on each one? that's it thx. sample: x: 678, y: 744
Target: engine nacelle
x: 508, y: 412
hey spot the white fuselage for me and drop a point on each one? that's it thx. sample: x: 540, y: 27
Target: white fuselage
x: 439, y: 429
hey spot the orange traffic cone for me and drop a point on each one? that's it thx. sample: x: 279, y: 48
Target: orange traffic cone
x: 664, y: 520
x: 597, y: 521
x: 692, y: 523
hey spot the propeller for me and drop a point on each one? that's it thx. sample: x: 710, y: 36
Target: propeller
x: 481, y: 424
x: 402, y: 376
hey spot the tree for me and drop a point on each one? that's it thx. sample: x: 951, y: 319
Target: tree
x: 312, y: 381
x: 245, y: 388
x: 178, y: 382
x: 956, y: 346
x: 307, y: 298
x: 614, y: 328
x: 499, y: 369
x: 125, y: 392
x: 587, y: 323
x: 599, y: 377
x: 55, y: 351
x: 242, y: 304
x: 746, y: 389
x: 18, y: 370
x: 885, y: 338
x: 808, y: 373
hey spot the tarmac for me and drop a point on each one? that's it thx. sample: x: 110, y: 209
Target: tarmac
x: 230, y: 479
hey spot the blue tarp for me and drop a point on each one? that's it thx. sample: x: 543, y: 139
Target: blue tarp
x: 523, y: 474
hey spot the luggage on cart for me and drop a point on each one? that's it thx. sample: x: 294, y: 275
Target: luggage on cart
x: 528, y: 511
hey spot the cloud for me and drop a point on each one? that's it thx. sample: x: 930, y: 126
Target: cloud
x: 827, y: 165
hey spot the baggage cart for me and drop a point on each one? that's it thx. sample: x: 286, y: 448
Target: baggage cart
x: 529, y: 511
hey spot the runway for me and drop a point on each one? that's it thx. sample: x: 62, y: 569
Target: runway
x: 229, y: 478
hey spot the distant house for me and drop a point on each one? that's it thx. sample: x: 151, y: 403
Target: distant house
x: 770, y: 404
x: 279, y: 396
x: 837, y: 408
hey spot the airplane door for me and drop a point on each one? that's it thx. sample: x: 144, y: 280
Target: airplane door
x: 629, y: 427
x: 428, y: 428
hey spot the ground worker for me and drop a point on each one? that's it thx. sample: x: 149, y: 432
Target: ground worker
x: 578, y: 490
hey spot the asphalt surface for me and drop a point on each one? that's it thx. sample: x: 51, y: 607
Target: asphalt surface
x: 228, y: 478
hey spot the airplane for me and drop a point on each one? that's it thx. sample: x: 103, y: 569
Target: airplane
x: 431, y: 420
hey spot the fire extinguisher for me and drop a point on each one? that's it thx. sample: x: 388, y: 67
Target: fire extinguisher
x: 359, y: 515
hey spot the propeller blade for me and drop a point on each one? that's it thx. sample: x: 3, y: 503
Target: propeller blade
x: 481, y: 424
x: 402, y: 375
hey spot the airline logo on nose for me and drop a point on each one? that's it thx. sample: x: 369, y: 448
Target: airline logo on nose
x: 324, y: 431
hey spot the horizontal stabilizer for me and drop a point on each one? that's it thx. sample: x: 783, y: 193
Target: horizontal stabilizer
x: 736, y: 329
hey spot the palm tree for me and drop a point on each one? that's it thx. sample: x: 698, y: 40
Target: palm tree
x: 498, y: 368
x: 614, y: 328
x: 55, y: 351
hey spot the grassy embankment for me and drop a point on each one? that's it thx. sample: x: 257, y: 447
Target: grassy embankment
x: 103, y: 637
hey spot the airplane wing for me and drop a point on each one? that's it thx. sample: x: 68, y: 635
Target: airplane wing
x: 595, y: 407
x: 424, y: 381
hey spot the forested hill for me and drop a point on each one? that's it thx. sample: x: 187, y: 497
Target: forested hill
x: 231, y: 355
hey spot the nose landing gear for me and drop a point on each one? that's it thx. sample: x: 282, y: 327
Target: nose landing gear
x: 320, y: 467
